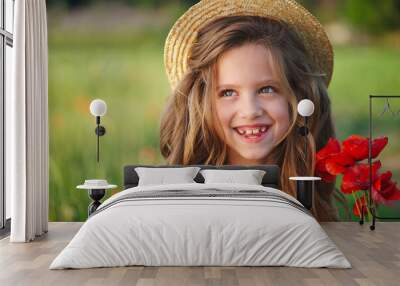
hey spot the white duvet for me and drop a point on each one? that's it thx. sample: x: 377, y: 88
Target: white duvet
x: 183, y: 231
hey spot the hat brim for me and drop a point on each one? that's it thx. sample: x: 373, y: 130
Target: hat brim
x: 184, y: 32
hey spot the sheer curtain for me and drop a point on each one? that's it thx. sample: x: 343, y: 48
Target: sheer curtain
x: 27, y: 124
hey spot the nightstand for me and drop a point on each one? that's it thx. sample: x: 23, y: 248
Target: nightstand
x: 96, y: 190
x: 305, y: 187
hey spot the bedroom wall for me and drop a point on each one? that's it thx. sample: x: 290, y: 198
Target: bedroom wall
x: 116, y: 53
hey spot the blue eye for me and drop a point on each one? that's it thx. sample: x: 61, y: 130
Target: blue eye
x: 267, y: 89
x: 227, y: 93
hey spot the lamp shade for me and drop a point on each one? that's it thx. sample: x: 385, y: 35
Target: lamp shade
x: 98, y: 107
x: 305, y: 107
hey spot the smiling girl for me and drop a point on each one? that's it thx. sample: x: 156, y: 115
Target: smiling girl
x: 237, y: 76
x: 251, y: 104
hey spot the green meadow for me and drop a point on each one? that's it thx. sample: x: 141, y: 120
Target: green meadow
x: 127, y: 71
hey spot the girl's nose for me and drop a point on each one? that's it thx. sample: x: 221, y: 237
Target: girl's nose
x: 249, y: 106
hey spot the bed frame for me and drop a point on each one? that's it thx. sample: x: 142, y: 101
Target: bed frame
x: 270, y: 179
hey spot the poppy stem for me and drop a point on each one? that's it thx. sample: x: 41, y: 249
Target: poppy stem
x: 367, y: 206
x: 355, y: 201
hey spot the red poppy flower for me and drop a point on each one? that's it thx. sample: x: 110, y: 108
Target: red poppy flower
x: 338, y: 163
x: 320, y: 170
x: 331, y: 147
x: 357, y: 177
x: 385, y: 190
x: 333, y: 160
x: 360, y: 204
x: 358, y: 146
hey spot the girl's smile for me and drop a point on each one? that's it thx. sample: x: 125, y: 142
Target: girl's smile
x: 251, y: 105
x: 252, y: 133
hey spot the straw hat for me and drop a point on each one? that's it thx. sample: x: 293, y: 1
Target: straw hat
x: 184, y: 32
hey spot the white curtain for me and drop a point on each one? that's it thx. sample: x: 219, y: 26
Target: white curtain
x: 27, y: 124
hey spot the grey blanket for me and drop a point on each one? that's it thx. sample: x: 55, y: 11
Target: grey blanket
x: 202, y: 194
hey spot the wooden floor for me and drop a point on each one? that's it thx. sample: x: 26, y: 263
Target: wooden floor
x: 374, y: 255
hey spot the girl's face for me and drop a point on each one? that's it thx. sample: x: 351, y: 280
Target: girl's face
x: 250, y: 103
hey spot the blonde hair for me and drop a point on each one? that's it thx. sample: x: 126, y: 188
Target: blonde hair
x: 188, y: 133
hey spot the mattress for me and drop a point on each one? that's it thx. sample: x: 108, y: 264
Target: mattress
x: 201, y: 225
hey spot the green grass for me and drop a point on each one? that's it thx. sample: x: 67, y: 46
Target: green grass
x: 132, y: 82
x: 127, y: 72
x: 358, y: 72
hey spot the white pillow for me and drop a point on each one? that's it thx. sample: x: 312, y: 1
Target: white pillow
x: 162, y: 176
x: 249, y: 177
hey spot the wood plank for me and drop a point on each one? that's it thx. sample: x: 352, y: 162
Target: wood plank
x: 374, y: 255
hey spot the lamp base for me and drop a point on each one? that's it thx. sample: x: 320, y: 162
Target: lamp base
x: 305, y: 193
x: 100, y: 130
x: 96, y: 195
x: 305, y: 187
x: 303, y: 131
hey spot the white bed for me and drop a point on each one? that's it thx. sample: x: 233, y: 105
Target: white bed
x: 223, y: 225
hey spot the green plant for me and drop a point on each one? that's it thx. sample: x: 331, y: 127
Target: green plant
x: 373, y: 16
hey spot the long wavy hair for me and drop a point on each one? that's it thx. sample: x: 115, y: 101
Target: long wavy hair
x: 189, y: 126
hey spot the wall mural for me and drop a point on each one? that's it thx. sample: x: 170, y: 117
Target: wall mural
x: 115, y: 52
